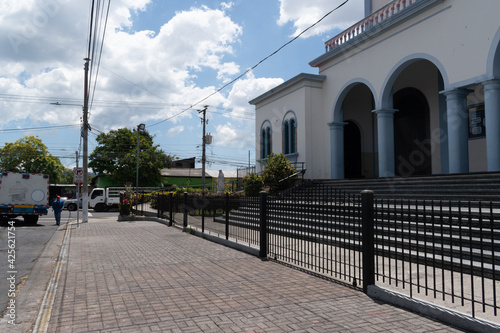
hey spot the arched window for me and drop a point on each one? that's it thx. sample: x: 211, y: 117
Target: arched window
x: 286, y: 135
x: 289, y: 130
x: 265, y: 141
x: 293, y: 133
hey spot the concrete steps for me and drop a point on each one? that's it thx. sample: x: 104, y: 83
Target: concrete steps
x: 408, y: 224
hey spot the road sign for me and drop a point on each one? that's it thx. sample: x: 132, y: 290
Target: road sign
x: 78, y: 176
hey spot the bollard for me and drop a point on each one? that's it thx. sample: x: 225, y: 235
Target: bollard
x: 159, y: 213
x: 185, y: 210
x: 171, y: 213
x: 368, y: 239
x: 203, y: 205
x: 263, y: 225
x: 142, y: 204
x: 227, y: 216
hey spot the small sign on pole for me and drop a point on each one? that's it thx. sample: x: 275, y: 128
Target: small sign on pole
x: 78, y: 176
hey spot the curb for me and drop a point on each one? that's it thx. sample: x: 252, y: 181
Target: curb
x: 437, y: 312
x: 31, y: 294
x: 43, y: 318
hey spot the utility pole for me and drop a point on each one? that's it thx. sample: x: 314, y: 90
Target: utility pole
x: 77, y: 196
x: 203, y: 154
x: 85, y: 194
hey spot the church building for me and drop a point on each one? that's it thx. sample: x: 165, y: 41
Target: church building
x: 412, y: 89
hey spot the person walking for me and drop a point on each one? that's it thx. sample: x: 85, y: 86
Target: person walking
x: 57, y: 207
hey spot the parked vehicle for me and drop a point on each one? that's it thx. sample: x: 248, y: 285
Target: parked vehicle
x: 73, y: 204
x: 23, y: 194
x: 102, y: 199
x: 65, y: 191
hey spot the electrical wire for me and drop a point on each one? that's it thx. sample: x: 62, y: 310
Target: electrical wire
x: 35, y: 128
x: 94, y: 49
x: 95, y: 46
x: 254, y: 66
x: 100, y: 53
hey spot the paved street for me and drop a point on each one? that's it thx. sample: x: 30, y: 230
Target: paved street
x: 29, y: 282
x: 29, y: 241
x: 145, y: 276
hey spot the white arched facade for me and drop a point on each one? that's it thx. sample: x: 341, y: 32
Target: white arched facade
x: 398, y: 102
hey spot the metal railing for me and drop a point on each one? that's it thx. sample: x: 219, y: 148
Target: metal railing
x: 441, y: 250
x: 318, y: 231
x: 208, y: 214
x: 445, y: 252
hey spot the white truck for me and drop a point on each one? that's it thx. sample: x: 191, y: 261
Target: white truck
x: 23, y: 194
x: 101, y: 199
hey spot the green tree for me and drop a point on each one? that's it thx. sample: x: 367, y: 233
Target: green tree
x: 116, y: 155
x: 277, y: 172
x: 30, y: 155
x: 253, y: 184
x: 66, y: 176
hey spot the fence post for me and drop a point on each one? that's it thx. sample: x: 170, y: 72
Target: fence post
x: 227, y: 215
x: 185, y: 210
x: 263, y: 224
x: 203, y: 212
x: 142, y: 204
x: 160, y: 213
x: 368, y: 239
x: 171, y: 208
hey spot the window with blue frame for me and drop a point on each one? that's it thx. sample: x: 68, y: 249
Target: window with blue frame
x: 289, y: 130
x: 265, y: 141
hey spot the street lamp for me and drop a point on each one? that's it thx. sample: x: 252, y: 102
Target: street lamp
x: 140, y: 128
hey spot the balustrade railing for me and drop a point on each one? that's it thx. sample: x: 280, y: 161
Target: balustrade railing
x: 380, y: 16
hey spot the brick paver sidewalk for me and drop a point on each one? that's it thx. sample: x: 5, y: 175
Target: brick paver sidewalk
x: 147, y: 277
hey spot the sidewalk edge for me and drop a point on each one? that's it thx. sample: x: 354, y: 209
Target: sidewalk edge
x: 43, y: 318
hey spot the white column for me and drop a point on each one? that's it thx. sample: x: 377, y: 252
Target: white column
x: 458, y: 130
x: 492, y: 117
x: 337, y: 147
x: 385, y: 136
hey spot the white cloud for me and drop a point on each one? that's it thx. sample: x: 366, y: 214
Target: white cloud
x: 121, y: 15
x: 149, y: 75
x: 245, y: 90
x: 305, y: 13
x: 47, y: 45
x: 231, y: 136
x: 238, y: 131
x: 175, y: 131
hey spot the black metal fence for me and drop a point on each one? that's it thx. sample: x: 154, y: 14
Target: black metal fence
x: 318, y: 231
x: 447, y: 253
x: 208, y: 214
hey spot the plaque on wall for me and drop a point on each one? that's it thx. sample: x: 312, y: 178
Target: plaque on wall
x: 477, y: 127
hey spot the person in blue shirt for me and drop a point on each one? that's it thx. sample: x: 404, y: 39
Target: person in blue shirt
x: 57, y: 207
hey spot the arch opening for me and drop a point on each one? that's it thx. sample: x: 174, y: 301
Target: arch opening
x: 411, y: 133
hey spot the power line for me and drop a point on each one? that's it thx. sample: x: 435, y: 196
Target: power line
x: 35, y: 128
x: 253, y: 67
x: 100, y: 52
x: 104, y: 103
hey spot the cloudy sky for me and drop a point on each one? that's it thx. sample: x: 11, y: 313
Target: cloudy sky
x: 161, y: 61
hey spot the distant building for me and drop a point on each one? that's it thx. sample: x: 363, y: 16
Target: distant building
x: 185, y: 163
x: 412, y: 89
x: 183, y: 177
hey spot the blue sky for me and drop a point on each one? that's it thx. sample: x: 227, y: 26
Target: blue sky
x: 158, y: 59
